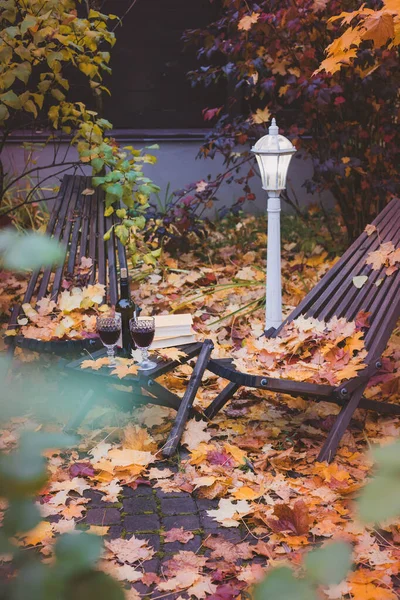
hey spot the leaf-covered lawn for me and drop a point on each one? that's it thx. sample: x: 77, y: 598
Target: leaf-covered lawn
x: 256, y: 458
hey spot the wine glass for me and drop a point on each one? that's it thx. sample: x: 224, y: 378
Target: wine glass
x: 142, y: 331
x: 109, y: 330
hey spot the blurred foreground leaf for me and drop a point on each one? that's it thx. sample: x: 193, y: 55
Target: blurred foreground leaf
x: 380, y: 499
x: 283, y: 585
x: 329, y: 565
x: 22, y: 252
x: 77, y: 552
x: 94, y: 585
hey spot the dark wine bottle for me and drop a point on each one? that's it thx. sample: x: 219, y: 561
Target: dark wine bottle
x: 126, y: 307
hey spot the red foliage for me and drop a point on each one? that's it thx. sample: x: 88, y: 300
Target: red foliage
x: 269, y: 51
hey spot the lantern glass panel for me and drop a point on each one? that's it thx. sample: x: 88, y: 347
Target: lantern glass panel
x: 273, y: 153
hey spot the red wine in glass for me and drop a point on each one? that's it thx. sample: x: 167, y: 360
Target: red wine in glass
x: 109, y: 337
x: 143, y: 338
x: 109, y: 329
x: 142, y: 332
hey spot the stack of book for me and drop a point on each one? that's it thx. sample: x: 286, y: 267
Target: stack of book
x: 173, y: 330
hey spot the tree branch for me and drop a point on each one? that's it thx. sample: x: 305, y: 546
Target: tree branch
x: 25, y: 173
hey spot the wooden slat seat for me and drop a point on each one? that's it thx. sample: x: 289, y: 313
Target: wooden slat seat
x: 336, y: 295
x: 77, y: 221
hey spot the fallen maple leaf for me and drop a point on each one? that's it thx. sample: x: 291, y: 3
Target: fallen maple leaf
x: 95, y: 364
x: 81, y: 469
x: 195, y: 434
x: 370, y: 229
x: 98, y: 529
x: 138, y: 438
x: 40, y: 534
x: 122, y: 572
x: 110, y: 490
x: 131, y: 550
x: 121, y: 458
x: 229, y: 514
x: 222, y: 548
x: 247, y: 493
x: 296, y: 519
x: 125, y: 368
x: 202, y: 587
x: 178, y: 535
x: 181, y: 581
x: 64, y: 526
x: 370, y: 591
x: 171, y: 354
x: 45, y: 306
x: 155, y: 473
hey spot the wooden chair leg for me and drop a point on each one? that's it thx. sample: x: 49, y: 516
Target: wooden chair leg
x: 187, y: 400
x: 222, y: 398
x: 339, y: 427
x: 163, y: 396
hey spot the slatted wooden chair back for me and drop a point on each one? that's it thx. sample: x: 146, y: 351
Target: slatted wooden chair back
x: 336, y: 294
x: 77, y: 221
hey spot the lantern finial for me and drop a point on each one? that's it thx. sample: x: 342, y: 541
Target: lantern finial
x: 273, y: 129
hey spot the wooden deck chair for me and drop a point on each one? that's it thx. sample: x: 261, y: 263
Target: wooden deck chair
x: 336, y: 295
x: 77, y: 221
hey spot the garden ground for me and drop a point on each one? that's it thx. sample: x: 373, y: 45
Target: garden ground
x: 245, y: 492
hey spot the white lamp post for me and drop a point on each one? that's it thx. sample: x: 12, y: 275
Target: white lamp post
x: 273, y: 153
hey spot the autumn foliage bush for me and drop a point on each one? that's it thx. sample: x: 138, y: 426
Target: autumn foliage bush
x: 44, y: 47
x: 345, y: 120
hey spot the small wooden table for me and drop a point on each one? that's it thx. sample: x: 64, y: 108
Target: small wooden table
x: 147, y: 381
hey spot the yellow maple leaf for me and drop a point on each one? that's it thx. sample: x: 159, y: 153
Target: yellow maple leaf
x: 261, y: 116
x: 70, y: 300
x: 355, y: 342
x: 199, y: 455
x: 332, y: 471
x: 95, y: 364
x: 30, y: 312
x: 204, y: 481
x: 138, y: 438
x: 239, y: 455
x: 171, y: 354
x: 98, y: 529
x: 246, y: 493
x: 119, y: 458
x: 124, y: 369
x: 370, y: 591
x: 247, y: 21
x: 42, y: 532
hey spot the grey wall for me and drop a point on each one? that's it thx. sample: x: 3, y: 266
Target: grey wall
x: 176, y: 164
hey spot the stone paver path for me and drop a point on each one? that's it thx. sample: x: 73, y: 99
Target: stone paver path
x: 148, y: 513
